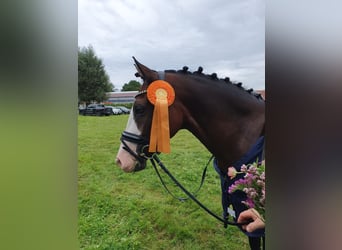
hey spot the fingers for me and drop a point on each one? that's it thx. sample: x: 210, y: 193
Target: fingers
x: 257, y: 224
x: 251, y: 215
x: 246, y: 216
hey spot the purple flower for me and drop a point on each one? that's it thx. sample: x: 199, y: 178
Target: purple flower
x: 249, y: 203
x: 232, y: 188
x: 262, y: 176
x: 260, y: 183
x: 243, y: 168
x: 252, y: 169
x: 253, y: 184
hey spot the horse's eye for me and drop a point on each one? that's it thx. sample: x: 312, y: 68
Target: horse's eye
x: 139, y: 109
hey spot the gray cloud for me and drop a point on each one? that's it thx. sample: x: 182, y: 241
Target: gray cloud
x: 226, y: 37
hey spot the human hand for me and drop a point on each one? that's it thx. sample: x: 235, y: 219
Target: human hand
x: 251, y: 214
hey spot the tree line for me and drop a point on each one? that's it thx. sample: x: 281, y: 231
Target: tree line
x: 93, y: 80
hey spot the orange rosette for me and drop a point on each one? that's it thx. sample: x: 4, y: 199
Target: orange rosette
x: 160, y: 89
x: 161, y: 94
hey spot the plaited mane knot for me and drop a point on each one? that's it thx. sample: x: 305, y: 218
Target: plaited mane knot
x: 227, y: 79
x: 137, y: 74
x: 185, y: 69
x: 214, y: 76
x: 250, y: 90
x: 239, y: 84
x: 199, y: 71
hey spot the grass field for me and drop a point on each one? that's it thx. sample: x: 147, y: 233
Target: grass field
x: 133, y: 211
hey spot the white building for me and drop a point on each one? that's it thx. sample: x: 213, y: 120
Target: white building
x: 121, y: 97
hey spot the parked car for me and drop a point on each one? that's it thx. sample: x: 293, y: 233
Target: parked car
x: 124, y: 109
x: 97, y: 109
x: 81, y: 111
x: 114, y: 110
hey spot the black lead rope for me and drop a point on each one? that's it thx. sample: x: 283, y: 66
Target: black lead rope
x: 190, y: 195
x: 194, y: 193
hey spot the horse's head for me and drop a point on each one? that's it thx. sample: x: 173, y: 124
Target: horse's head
x: 135, y: 141
x: 239, y: 116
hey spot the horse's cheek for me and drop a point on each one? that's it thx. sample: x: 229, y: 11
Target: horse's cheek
x: 175, y: 124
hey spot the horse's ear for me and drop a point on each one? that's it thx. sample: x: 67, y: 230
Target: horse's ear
x: 144, y: 72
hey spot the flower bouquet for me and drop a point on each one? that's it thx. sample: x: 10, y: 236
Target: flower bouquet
x: 253, y: 184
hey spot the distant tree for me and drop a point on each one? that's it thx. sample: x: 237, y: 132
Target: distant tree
x: 131, y: 86
x: 93, y: 81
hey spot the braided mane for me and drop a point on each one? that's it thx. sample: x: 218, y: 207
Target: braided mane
x: 213, y: 76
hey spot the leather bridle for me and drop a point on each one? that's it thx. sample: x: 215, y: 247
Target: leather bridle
x: 141, y: 154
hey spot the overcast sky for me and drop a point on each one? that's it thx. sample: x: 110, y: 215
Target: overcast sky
x: 222, y: 36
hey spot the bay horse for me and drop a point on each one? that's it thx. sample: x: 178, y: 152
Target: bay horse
x: 225, y: 117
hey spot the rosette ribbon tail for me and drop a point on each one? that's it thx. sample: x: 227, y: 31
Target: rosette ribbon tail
x: 160, y: 132
x: 161, y: 94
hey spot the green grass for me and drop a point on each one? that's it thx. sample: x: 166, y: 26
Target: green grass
x: 133, y: 211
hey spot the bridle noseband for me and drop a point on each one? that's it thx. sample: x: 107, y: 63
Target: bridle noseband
x: 141, y: 154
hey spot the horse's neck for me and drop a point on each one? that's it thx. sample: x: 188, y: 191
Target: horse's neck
x: 227, y: 128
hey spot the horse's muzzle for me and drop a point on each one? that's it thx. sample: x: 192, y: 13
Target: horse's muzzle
x: 140, y: 153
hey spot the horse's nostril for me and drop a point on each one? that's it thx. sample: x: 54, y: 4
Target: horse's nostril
x: 118, y: 162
